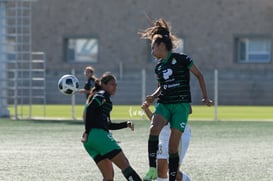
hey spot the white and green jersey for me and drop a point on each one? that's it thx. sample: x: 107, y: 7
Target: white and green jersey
x: 173, y: 75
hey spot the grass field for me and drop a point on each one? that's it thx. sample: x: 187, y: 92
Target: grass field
x: 133, y: 112
x: 51, y: 150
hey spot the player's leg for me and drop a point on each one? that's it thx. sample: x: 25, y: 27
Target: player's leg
x: 163, y: 153
x: 185, y: 141
x: 157, y: 124
x: 162, y: 169
x: 104, y: 164
x: 111, y: 150
x: 122, y: 162
x: 173, y: 153
x: 178, y: 123
x: 100, y: 152
x: 106, y: 169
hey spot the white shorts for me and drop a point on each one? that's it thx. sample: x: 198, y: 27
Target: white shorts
x: 163, y: 145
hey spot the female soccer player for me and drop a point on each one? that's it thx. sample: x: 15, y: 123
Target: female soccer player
x: 162, y: 153
x: 173, y: 92
x: 97, y: 139
x: 90, y: 80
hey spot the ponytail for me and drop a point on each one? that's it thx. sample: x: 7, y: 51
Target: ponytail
x: 160, y: 32
x: 106, y: 77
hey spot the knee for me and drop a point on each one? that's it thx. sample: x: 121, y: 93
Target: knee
x: 154, y: 130
x: 124, y: 163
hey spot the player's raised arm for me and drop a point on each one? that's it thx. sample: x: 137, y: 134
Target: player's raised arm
x: 202, y: 84
x: 150, y: 98
x: 148, y: 112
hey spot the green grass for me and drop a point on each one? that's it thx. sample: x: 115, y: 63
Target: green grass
x: 124, y: 112
x: 51, y: 150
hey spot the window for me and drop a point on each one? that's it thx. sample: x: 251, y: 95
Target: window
x: 81, y: 49
x: 253, y: 50
x: 11, y: 49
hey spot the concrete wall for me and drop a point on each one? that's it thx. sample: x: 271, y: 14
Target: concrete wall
x: 209, y: 29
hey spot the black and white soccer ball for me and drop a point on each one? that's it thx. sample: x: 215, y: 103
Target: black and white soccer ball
x: 68, y: 84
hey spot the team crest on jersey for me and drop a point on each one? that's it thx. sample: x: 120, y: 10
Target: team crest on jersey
x: 173, y: 61
x: 167, y: 73
x: 188, y: 58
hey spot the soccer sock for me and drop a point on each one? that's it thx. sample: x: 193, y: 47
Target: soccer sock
x: 173, y: 166
x: 185, y: 177
x: 162, y: 179
x: 152, y: 149
x: 130, y: 174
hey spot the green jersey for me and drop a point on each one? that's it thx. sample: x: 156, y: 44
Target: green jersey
x: 173, y: 75
x: 97, y: 113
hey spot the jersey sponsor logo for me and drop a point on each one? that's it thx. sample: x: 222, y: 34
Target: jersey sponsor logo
x: 167, y: 73
x: 165, y: 86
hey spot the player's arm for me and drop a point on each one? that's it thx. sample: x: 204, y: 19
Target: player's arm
x: 83, y: 91
x: 150, y: 99
x: 125, y: 124
x: 148, y: 112
x: 87, y: 89
x: 202, y: 85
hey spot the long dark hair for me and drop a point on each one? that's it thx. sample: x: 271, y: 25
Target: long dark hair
x: 105, y: 78
x: 160, y: 32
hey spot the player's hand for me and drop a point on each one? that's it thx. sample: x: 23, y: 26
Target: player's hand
x: 84, y: 137
x: 145, y: 105
x: 207, y: 101
x: 79, y: 90
x: 150, y: 99
x: 131, y: 125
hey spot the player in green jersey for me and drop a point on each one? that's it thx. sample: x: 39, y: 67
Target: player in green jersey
x: 97, y: 139
x: 173, y: 93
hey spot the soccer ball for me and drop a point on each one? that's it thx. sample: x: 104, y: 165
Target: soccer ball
x: 68, y: 84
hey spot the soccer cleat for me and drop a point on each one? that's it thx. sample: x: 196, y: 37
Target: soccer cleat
x: 150, y: 175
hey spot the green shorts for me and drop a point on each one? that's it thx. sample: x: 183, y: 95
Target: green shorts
x: 175, y: 114
x: 100, y: 143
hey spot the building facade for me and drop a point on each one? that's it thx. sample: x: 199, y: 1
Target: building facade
x: 234, y: 37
